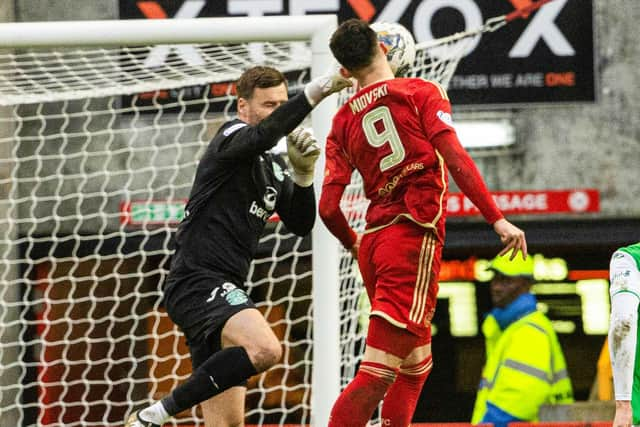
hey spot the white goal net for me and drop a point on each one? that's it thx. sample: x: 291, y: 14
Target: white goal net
x: 98, y: 149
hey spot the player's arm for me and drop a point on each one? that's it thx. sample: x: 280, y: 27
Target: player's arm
x: 467, y: 176
x: 432, y: 99
x: 297, y: 208
x: 253, y: 140
x: 337, y: 177
x: 249, y: 141
x: 332, y: 215
x: 625, y: 296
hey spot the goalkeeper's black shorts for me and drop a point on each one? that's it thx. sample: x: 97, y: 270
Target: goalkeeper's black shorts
x: 200, y: 307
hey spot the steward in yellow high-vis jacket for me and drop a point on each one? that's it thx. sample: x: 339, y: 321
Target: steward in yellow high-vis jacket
x: 525, y: 366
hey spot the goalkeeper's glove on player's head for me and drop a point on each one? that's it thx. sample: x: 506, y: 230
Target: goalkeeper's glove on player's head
x: 303, y: 151
x: 319, y: 88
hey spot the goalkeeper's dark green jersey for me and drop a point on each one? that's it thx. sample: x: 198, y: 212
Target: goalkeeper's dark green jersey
x: 239, y: 184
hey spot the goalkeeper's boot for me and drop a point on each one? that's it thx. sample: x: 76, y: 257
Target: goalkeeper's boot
x: 135, y: 421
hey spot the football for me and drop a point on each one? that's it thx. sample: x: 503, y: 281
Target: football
x: 401, y: 48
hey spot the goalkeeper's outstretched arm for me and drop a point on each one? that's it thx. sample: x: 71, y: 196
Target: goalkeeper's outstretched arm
x: 255, y: 140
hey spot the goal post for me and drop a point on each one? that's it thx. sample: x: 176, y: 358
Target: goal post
x: 92, y: 130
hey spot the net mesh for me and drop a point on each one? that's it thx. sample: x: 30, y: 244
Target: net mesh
x: 46, y: 76
x: 98, y: 150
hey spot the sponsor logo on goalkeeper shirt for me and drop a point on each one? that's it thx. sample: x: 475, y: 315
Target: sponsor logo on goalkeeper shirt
x: 270, y: 197
x: 259, y: 211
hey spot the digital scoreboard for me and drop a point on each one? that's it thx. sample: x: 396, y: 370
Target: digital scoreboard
x: 576, y: 301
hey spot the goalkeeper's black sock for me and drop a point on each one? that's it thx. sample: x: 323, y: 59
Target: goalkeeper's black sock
x: 223, y: 370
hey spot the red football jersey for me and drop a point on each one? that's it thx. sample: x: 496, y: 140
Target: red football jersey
x: 385, y: 131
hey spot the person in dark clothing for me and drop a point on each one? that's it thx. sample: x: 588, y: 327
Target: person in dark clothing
x: 237, y: 187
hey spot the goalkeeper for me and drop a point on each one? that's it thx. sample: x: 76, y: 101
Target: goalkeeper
x: 238, y: 185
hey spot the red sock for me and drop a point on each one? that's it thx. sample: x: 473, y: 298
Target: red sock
x: 402, y: 398
x: 356, y: 403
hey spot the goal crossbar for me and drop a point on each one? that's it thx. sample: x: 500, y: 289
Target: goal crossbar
x: 134, y: 32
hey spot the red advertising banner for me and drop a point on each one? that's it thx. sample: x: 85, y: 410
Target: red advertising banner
x: 531, y: 202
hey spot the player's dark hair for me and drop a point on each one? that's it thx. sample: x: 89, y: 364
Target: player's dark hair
x: 259, y: 76
x: 354, y: 44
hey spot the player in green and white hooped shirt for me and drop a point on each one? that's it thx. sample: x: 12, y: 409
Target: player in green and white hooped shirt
x: 624, y: 272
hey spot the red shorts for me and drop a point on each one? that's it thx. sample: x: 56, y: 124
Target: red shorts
x: 400, y: 266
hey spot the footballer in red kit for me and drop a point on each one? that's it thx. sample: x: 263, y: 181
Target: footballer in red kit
x: 381, y: 133
x: 398, y: 134
x: 388, y: 131
x: 385, y: 132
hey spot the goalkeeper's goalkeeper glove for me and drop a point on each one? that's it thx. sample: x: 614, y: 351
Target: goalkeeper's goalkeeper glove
x: 318, y: 89
x: 303, y: 151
